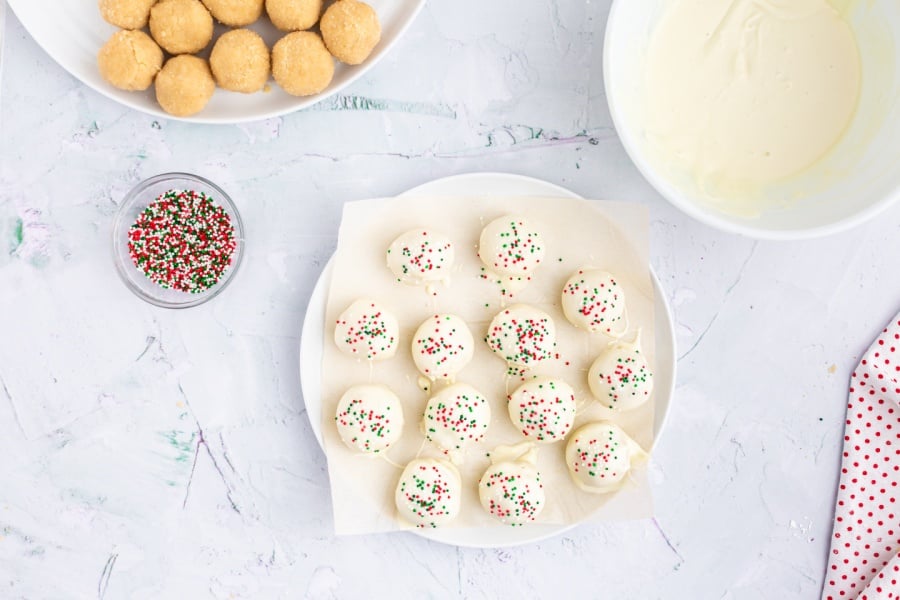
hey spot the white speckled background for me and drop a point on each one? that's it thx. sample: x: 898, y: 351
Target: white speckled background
x: 157, y: 454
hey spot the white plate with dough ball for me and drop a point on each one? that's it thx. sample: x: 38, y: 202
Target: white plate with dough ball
x: 72, y: 33
x: 498, y: 184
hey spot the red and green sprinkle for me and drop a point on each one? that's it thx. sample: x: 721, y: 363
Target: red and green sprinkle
x: 456, y: 416
x: 543, y: 410
x: 514, y: 498
x: 596, y: 295
x: 522, y: 338
x: 368, y: 429
x: 428, y: 495
x: 183, y: 241
x: 629, y: 379
x: 518, y: 250
x: 599, y: 458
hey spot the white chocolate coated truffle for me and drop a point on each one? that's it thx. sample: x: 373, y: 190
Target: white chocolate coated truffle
x: 455, y: 417
x: 442, y: 346
x: 429, y: 492
x: 421, y: 256
x: 600, y: 455
x: 543, y: 409
x: 511, y: 488
x: 369, y: 418
x: 594, y: 301
x: 620, y: 378
x: 523, y: 336
x: 512, y: 249
x: 367, y: 330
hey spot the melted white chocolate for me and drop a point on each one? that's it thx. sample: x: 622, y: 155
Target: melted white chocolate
x: 745, y: 93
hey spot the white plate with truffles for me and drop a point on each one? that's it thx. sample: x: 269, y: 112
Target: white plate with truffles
x: 474, y: 527
x: 73, y: 32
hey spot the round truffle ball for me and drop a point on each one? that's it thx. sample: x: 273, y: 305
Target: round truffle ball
x: 127, y: 14
x: 130, y: 60
x: 301, y: 64
x: 366, y: 329
x: 429, y: 493
x: 442, y: 347
x: 181, y: 26
x: 421, y: 256
x: 511, y: 246
x: 240, y: 61
x: 184, y: 85
x: 621, y: 378
x: 294, y: 15
x: 593, y: 300
x: 235, y: 13
x: 543, y: 409
x: 455, y: 417
x: 599, y: 456
x: 369, y: 418
x: 512, y: 492
x: 523, y: 336
x: 351, y: 30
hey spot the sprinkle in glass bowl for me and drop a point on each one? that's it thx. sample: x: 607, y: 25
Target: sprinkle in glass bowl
x: 178, y: 240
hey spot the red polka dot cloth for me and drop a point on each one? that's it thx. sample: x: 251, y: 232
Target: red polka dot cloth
x: 863, y: 563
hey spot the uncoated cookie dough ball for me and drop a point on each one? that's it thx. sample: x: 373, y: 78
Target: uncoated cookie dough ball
x: 301, y: 64
x: 181, y: 26
x: 130, y: 60
x: 184, y: 85
x: 235, y: 13
x: 351, y: 30
x: 127, y: 14
x: 294, y: 15
x: 240, y: 61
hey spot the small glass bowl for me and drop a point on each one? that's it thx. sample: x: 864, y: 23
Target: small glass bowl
x: 134, y: 203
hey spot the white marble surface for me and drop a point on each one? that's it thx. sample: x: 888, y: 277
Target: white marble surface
x: 158, y: 454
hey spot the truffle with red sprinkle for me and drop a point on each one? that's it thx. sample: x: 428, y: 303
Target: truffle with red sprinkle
x: 593, y: 300
x: 511, y: 249
x: 369, y: 418
x: 428, y: 493
x: 620, y: 378
x: 455, y: 417
x: 523, y: 336
x: 442, y: 346
x: 367, y: 330
x: 511, y: 488
x: 421, y: 256
x: 599, y: 456
x: 543, y: 409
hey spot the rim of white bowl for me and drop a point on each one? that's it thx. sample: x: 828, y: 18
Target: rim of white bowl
x: 670, y: 194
